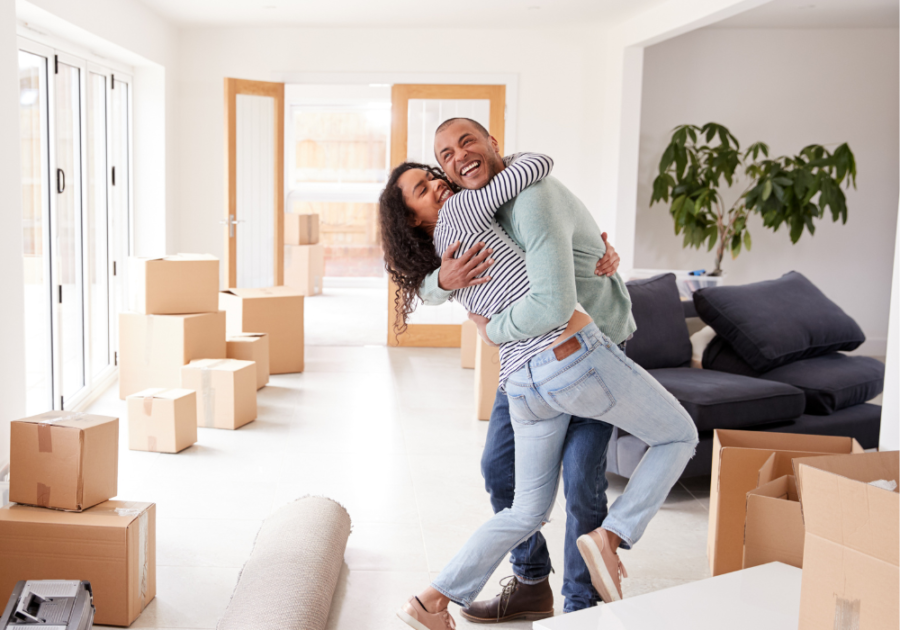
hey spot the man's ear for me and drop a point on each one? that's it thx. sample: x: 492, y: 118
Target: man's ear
x: 495, y: 144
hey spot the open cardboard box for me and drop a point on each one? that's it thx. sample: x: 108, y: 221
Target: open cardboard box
x: 737, y: 459
x: 774, y: 528
x: 111, y: 545
x: 184, y: 283
x: 851, y: 555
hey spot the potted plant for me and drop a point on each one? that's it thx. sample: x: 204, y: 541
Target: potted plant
x: 793, y: 190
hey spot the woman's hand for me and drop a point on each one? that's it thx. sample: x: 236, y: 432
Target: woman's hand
x: 609, y: 264
x: 481, y: 322
x: 462, y: 272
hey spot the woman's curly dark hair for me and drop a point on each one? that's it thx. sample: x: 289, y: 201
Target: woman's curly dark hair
x: 409, y: 253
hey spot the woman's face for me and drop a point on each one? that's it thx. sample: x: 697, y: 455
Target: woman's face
x: 425, y: 194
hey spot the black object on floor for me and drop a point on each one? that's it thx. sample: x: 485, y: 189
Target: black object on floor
x: 38, y: 604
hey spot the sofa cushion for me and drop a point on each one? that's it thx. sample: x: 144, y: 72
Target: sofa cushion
x: 720, y: 356
x: 832, y: 382
x: 661, y: 339
x: 717, y: 400
x: 776, y: 322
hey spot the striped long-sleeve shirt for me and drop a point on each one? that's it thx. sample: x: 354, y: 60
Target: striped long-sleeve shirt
x: 468, y: 217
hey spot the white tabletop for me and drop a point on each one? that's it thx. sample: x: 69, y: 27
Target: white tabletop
x: 764, y: 597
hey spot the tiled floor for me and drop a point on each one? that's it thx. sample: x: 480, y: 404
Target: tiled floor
x: 390, y: 434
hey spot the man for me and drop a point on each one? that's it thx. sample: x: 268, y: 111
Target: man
x: 470, y: 159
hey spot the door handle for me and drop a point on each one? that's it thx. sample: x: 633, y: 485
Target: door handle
x: 60, y: 181
x: 231, y: 222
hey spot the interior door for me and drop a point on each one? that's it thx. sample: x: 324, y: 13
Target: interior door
x: 254, y: 211
x: 67, y: 228
x: 417, y: 111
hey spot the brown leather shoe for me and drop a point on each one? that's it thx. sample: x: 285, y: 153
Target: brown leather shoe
x: 516, y: 601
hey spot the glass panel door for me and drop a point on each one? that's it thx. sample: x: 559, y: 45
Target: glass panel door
x: 35, y: 236
x: 68, y: 229
x: 97, y: 271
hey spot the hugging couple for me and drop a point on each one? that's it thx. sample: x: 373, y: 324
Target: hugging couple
x: 560, y: 318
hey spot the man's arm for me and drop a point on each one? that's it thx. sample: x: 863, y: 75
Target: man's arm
x: 456, y: 273
x: 546, y: 236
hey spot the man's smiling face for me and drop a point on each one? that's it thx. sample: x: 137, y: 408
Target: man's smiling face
x: 469, y: 158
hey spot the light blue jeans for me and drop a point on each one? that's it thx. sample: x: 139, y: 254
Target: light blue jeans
x: 595, y: 381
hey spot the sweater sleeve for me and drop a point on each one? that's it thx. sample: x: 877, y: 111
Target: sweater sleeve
x: 471, y: 211
x: 546, y: 235
x: 431, y: 292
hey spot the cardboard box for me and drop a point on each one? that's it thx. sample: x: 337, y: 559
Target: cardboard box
x: 304, y: 268
x: 251, y: 347
x: 852, y: 552
x: 277, y: 311
x: 226, y: 391
x: 774, y: 526
x: 468, y: 344
x: 64, y: 460
x: 162, y: 420
x: 301, y: 229
x: 112, y: 545
x: 153, y: 348
x: 487, y: 378
x: 184, y: 283
x: 737, y: 459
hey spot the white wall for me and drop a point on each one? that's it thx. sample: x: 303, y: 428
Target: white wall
x: 558, y: 100
x: 890, y: 412
x: 12, y: 315
x: 788, y: 88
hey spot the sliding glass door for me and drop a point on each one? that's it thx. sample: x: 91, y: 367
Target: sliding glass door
x: 74, y: 221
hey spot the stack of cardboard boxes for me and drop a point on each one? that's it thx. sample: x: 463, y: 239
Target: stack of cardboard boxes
x: 808, y: 501
x: 304, y: 255
x: 62, y: 526
x: 174, y: 365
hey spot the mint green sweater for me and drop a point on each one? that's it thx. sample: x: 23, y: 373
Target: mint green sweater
x: 562, y: 245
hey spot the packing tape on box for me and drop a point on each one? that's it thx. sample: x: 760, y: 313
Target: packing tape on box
x: 148, y: 401
x: 151, y: 443
x: 846, y: 614
x: 43, y: 495
x: 45, y: 438
x: 208, y: 392
x: 143, y: 521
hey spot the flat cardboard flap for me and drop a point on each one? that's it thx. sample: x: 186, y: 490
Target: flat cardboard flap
x: 784, y: 488
x: 268, y: 292
x: 223, y: 365
x: 786, y: 441
x: 839, y: 505
x: 115, y: 514
x: 70, y: 419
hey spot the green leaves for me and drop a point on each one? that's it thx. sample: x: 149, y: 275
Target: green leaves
x: 793, y: 190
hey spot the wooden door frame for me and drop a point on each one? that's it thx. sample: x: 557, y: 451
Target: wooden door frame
x: 233, y: 87
x: 434, y: 335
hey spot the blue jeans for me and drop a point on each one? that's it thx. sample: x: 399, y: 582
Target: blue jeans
x: 584, y: 486
x: 592, y: 379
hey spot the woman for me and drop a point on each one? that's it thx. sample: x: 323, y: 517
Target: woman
x: 571, y: 370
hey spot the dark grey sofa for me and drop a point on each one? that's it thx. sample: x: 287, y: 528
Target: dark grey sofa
x: 812, y: 390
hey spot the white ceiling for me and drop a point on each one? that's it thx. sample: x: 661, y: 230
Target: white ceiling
x: 403, y: 13
x: 818, y: 14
